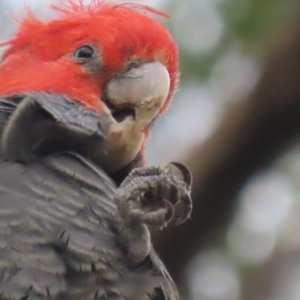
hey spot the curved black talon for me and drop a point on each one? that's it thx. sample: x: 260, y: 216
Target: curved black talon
x: 186, y: 174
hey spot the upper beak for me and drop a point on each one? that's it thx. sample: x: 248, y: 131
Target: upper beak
x: 43, y: 123
x: 143, y: 88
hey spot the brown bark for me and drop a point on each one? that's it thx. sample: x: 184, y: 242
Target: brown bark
x: 252, y: 135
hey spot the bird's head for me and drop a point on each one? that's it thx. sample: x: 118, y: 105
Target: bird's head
x: 94, y: 78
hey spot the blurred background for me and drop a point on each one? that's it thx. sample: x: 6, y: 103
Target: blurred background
x: 235, y: 121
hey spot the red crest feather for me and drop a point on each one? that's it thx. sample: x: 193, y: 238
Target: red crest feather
x: 72, y: 7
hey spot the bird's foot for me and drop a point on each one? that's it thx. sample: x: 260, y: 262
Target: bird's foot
x: 155, y: 196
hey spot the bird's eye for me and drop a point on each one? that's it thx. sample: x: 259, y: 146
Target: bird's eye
x: 85, y: 51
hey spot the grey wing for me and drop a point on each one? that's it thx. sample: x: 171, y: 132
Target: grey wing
x: 58, y: 237
x: 29, y: 266
x: 48, y: 223
x: 25, y: 254
x: 167, y: 285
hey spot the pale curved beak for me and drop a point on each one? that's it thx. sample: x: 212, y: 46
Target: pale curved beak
x: 143, y: 88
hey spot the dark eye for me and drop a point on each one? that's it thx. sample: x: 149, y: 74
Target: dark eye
x: 85, y: 51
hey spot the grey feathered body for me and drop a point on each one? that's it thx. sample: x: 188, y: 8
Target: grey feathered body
x: 61, y: 236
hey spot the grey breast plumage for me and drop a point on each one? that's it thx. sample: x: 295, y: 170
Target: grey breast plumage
x: 60, y: 236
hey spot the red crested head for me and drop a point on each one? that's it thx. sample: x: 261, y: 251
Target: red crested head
x: 50, y: 56
x: 114, y: 64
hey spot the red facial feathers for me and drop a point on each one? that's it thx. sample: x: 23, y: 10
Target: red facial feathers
x: 39, y: 57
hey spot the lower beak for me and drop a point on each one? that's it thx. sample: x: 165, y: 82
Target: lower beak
x: 45, y: 123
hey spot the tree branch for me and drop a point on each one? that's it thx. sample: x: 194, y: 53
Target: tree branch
x: 252, y: 135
